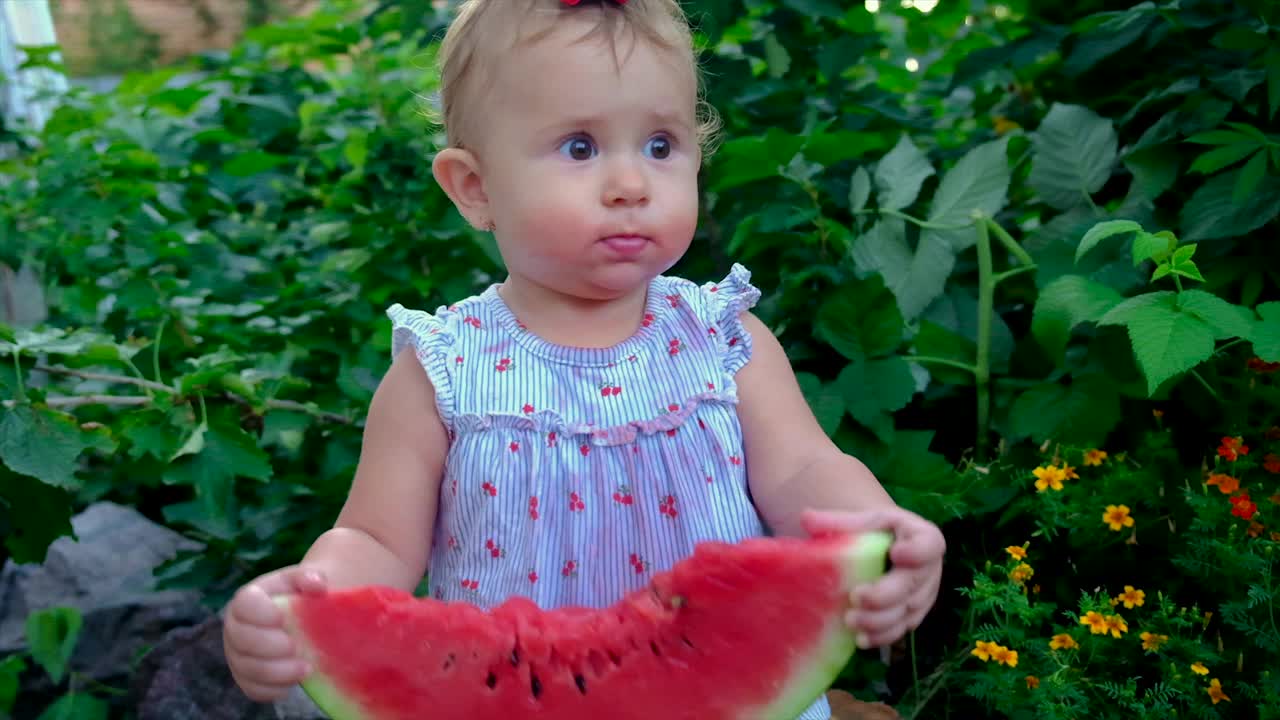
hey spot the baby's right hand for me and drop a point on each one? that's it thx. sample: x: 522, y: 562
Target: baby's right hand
x: 263, y: 658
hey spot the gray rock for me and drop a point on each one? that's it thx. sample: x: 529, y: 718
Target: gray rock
x: 186, y: 676
x: 106, y: 574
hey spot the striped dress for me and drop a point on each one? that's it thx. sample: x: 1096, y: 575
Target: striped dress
x: 575, y: 474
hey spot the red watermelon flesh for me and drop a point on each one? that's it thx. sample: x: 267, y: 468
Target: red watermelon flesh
x: 752, y: 630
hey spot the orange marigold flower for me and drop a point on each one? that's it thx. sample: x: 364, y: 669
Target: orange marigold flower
x: 1275, y: 536
x: 1157, y: 413
x: 1242, y: 507
x: 1002, y: 654
x: 1131, y: 597
x: 1097, y: 624
x: 1021, y: 574
x: 1033, y: 682
x: 1070, y: 473
x: 1271, y: 463
x: 1199, y: 668
x: 1063, y: 641
x: 1050, y: 476
x: 1116, y: 625
x: 1255, y: 528
x: 1017, y: 552
x: 1232, y: 448
x: 1215, y: 692
x: 982, y: 650
x: 1095, y: 457
x: 1117, y: 516
x: 1225, y: 483
x: 1261, y: 367
x: 1152, y: 642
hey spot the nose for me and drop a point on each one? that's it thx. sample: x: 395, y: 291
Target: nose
x: 627, y: 183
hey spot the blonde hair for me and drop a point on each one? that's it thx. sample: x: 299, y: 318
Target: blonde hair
x: 483, y: 30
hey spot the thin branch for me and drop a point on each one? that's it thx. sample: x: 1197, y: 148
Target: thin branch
x: 105, y: 377
x: 294, y: 406
x: 75, y: 401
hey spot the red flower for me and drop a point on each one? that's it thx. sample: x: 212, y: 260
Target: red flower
x: 1242, y: 507
x: 1263, y: 368
x: 1232, y: 448
x: 1271, y: 463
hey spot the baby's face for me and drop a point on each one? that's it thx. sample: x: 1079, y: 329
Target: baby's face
x: 591, y: 170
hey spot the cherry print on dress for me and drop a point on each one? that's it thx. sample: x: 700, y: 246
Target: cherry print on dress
x: 533, y: 507
x: 489, y: 489
x: 638, y: 563
x: 623, y: 496
x: 667, y: 506
x: 575, y: 502
x: 495, y: 550
x: 570, y: 569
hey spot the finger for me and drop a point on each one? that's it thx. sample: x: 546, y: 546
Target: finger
x: 253, y: 641
x: 918, y: 544
x: 873, y: 623
x: 890, y: 590
x: 253, y: 605
x: 272, y: 672
x: 307, y: 580
x: 260, y: 692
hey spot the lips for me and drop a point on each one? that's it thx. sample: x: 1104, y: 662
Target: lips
x: 625, y: 244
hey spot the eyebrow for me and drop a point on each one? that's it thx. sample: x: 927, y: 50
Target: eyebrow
x: 659, y: 117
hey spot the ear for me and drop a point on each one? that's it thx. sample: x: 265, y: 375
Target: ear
x: 458, y: 173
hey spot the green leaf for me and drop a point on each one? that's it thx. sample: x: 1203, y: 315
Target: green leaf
x: 776, y: 56
x: 1227, y: 320
x: 979, y: 182
x: 228, y: 453
x: 1153, y: 246
x: 816, y: 8
x: 1065, y: 303
x: 1220, y: 157
x: 859, y: 189
x: 860, y: 319
x: 1155, y: 169
x: 825, y: 400
x: 1166, y: 340
x: 1102, y: 231
x: 916, y: 277
x: 1075, y: 151
x: 1119, y: 31
x: 254, y: 162
x: 51, y: 638
x: 900, y: 174
x: 1273, y: 82
x: 873, y: 388
x: 32, y: 515
x: 1080, y: 413
x: 1250, y: 176
x: 1212, y: 213
x: 43, y: 444
x: 76, y: 706
x: 936, y: 341
x: 10, y: 669
x: 1266, y: 332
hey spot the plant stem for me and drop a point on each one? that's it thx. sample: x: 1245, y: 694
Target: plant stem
x: 155, y: 352
x: 1010, y: 244
x: 1196, y: 374
x: 120, y: 379
x: 1177, y: 281
x: 911, y: 219
x: 986, y: 306
x: 930, y: 360
x: 17, y: 377
x: 1002, y: 276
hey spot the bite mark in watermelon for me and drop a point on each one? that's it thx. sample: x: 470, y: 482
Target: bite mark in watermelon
x: 752, y: 630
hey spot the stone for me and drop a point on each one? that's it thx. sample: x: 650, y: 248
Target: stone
x: 105, y: 572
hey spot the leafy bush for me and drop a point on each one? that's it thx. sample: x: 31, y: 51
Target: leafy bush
x: 1056, y: 223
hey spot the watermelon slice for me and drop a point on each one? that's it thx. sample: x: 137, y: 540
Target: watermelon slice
x: 752, y: 630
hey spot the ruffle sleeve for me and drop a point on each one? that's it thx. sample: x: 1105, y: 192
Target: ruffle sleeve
x: 432, y: 338
x: 726, y: 301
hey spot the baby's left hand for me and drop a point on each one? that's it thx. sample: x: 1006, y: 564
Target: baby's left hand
x: 897, y: 603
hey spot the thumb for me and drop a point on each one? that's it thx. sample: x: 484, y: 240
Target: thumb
x: 308, y: 580
x: 826, y: 522
x: 289, y: 580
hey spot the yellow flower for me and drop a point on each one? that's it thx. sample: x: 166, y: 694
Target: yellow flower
x: 1215, y: 692
x: 1069, y: 473
x: 1049, y: 477
x: 1021, y: 574
x: 1063, y: 641
x: 1131, y: 597
x: 982, y: 650
x: 1095, y: 457
x: 1117, y: 516
x: 1199, y: 668
x: 1151, y: 641
x: 1033, y: 682
x: 1116, y: 625
x: 1002, y: 654
x: 1002, y: 125
x: 1097, y: 624
x: 1017, y: 552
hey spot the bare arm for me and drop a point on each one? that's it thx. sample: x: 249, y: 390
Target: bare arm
x: 792, y: 465
x: 383, y: 534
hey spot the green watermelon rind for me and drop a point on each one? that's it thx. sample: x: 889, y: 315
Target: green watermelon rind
x: 864, y: 562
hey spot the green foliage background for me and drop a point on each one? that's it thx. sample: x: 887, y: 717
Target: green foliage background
x: 197, y: 272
